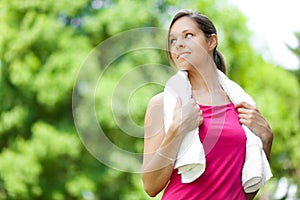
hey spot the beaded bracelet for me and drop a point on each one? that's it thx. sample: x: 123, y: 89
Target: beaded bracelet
x: 162, y: 155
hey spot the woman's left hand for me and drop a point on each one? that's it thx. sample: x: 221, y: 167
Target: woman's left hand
x: 251, y: 117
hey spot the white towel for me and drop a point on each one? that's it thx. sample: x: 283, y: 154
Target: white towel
x: 191, y: 156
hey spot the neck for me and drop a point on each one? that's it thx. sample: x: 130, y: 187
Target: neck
x: 204, y: 79
x: 206, y: 87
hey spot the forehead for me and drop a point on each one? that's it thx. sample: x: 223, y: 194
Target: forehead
x: 184, y: 23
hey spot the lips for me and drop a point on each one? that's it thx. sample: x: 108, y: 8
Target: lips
x: 182, y: 54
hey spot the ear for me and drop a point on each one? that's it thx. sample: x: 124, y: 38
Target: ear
x: 212, y: 42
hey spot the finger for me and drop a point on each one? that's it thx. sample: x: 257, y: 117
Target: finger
x: 244, y: 105
x: 192, y: 101
x: 244, y: 121
x: 200, y: 120
x: 191, y: 106
x: 239, y: 105
x: 242, y: 110
x: 250, y: 111
x: 243, y: 116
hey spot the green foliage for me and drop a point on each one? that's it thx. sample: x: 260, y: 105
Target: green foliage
x: 40, y: 151
x: 43, y: 44
x: 47, y: 150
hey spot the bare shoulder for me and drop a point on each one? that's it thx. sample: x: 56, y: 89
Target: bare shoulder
x: 154, y: 122
x: 155, y: 106
x: 156, y: 100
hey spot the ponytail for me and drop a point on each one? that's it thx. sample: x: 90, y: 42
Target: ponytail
x: 219, y: 61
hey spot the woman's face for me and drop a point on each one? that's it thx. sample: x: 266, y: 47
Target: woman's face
x: 188, y: 45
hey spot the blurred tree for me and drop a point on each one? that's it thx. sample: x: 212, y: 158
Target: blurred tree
x: 43, y: 44
x: 41, y: 49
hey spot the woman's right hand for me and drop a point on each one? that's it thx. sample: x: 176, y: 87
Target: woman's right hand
x: 157, y: 170
x: 187, y: 117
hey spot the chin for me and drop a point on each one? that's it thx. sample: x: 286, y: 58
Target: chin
x: 185, y: 66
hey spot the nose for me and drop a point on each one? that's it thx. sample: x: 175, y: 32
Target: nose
x: 179, y: 43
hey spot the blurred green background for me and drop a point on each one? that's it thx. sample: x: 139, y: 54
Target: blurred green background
x: 43, y: 44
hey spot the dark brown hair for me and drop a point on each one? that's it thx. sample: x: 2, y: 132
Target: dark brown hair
x: 208, y: 29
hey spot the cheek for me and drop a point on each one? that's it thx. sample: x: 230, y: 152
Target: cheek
x: 201, y: 50
x: 198, y: 43
x: 173, y: 56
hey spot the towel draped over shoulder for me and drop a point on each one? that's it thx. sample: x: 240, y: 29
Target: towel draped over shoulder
x: 190, y: 160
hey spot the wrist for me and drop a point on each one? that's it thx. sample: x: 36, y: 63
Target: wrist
x: 267, y: 140
x: 166, y: 157
x: 267, y: 137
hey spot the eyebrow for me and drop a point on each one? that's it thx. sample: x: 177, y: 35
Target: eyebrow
x: 183, y: 31
x: 187, y: 30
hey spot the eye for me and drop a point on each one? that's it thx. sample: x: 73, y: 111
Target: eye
x: 188, y: 35
x: 172, y: 41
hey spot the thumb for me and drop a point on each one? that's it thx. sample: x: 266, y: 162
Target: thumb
x: 178, y: 108
x: 178, y: 103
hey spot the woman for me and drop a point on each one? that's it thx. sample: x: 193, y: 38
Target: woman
x: 192, y: 43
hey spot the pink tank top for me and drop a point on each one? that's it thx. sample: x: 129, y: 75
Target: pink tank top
x: 224, y: 142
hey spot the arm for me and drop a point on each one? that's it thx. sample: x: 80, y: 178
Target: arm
x: 252, y: 118
x: 251, y: 196
x: 157, y: 169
